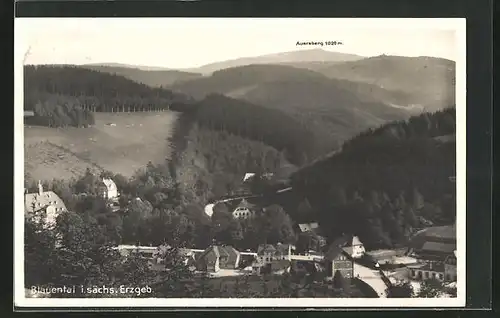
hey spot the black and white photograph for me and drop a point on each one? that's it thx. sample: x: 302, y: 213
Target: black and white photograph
x: 239, y: 162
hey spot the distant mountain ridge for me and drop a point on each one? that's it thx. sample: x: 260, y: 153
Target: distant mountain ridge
x: 428, y: 81
x: 123, y: 65
x: 421, y: 83
x: 338, y: 109
x: 312, y: 55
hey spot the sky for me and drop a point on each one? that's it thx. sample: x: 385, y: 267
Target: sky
x: 193, y: 42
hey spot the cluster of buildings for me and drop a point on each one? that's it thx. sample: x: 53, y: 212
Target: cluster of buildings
x: 436, y: 253
x: 224, y: 260
x: 44, y: 201
x: 51, y: 205
x: 432, y: 254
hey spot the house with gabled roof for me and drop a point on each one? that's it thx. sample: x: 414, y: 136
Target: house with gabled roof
x: 314, y: 229
x: 267, y: 253
x: 44, y: 201
x: 244, y: 210
x: 309, y: 227
x: 450, y: 267
x: 108, y: 189
x: 336, y: 259
x: 217, y: 257
x: 355, y: 249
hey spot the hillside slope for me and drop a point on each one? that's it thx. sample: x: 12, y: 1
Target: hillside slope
x: 386, y: 182
x: 237, y: 79
x: 337, y: 109
x: 117, y: 142
x: 127, y: 124
x: 428, y: 80
x: 269, y: 126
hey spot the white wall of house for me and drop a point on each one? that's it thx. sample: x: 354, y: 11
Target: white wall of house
x: 419, y: 274
x: 242, y: 213
x: 217, y: 266
x: 51, y: 214
x: 358, y: 250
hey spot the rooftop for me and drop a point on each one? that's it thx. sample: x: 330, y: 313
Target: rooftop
x: 281, y: 264
x: 110, y: 184
x: 337, y: 247
x: 435, y: 267
x: 305, y: 227
x: 37, y: 201
x: 439, y: 247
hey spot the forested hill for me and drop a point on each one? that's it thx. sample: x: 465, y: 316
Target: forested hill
x: 236, y: 80
x: 429, y: 81
x: 335, y: 109
x: 66, y: 95
x: 386, y: 182
x: 269, y: 126
x: 153, y: 78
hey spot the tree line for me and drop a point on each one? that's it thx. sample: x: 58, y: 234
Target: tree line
x: 59, y: 94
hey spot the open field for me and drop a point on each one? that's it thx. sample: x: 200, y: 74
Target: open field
x: 119, y: 142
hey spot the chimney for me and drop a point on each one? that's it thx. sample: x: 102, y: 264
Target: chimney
x: 40, y: 187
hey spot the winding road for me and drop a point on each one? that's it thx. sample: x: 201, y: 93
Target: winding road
x: 372, y: 278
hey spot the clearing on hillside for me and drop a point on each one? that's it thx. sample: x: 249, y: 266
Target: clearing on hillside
x: 118, y: 142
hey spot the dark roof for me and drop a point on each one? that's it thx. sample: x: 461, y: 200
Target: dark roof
x: 215, y: 251
x: 266, y: 248
x: 273, y: 249
x: 445, y: 234
x: 439, y: 247
x: 436, y: 267
x: 283, y: 248
x: 281, y: 264
x: 211, y: 253
x: 348, y: 249
x: 308, y: 227
x: 231, y: 252
x: 336, y: 247
x: 245, y: 204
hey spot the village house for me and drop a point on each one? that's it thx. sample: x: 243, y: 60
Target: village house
x: 435, y: 250
x: 244, y: 210
x: 425, y: 271
x: 433, y: 243
x: 450, y: 268
x: 356, y: 249
x: 308, y: 227
x: 248, y: 176
x: 336, y: 259
x: 280, y: 267
x: 108, y: 190
x: 267, y: 253
x: 313, y: 228
x: 215, y: 258
x: 44, y: 201
x: 273, y: 258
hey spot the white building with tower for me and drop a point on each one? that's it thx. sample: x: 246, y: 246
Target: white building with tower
x: 44, y: 202
x: 356, y: 249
